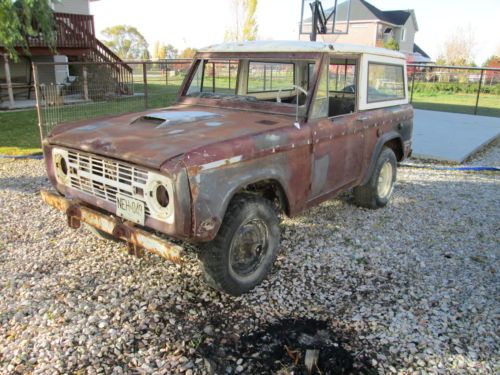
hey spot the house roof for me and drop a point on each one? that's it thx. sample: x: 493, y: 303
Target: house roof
x: 417, y: 49
x: 396, y: 17
x: 300, y: 46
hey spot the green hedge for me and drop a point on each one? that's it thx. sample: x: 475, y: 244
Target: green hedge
x: 454, y: 88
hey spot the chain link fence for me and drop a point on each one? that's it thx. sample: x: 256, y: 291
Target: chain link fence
x: 75, y: 91
x: 468, y: 90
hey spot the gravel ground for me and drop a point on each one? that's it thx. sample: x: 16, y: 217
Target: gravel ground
x: 412, y: 288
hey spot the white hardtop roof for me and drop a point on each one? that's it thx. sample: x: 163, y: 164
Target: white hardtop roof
x: 300, y: 46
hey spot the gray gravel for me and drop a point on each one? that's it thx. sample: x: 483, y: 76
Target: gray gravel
x: 414, y: 286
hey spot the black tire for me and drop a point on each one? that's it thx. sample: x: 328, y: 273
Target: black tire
x: 247, y: 216
x: 100, y: 234
x: 370, y: 195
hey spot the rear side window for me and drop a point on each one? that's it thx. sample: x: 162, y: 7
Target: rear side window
x: 385, y: 82
x: 270, y: 76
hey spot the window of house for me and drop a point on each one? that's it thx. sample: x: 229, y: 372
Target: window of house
x: 270, y: 76
x: 403, y: 34
x: 385, y: 82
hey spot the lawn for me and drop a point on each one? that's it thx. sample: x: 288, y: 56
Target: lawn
x: 489, y: 105
x: 19, y: 133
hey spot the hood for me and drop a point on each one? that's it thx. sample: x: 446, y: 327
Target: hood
x: 154, y: 137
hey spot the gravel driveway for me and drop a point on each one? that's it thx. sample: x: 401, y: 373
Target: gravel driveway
x: 412, y: 288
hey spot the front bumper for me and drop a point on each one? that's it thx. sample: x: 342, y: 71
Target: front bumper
x: 137, y: 239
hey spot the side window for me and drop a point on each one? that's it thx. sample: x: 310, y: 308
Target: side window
x: 342, y: 77
x: 214, y: 76
x: 320, y: 103
x: 342, y: 74
x: 195, y: 85
x: 385, y: 82
x: 220, y: 76
x: 270, y: 76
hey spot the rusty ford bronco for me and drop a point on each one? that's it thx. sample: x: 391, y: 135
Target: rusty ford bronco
x: 259, y: 129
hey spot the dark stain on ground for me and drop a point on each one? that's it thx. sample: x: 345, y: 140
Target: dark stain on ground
x: 282, y: 347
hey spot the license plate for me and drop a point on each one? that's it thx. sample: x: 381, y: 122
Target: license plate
x: 130, y: 209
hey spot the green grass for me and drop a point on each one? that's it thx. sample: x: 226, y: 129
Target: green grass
x: 489, y: 105
x: 19, y: 134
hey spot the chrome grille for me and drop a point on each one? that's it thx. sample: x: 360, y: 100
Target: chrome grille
x: 104, y: 178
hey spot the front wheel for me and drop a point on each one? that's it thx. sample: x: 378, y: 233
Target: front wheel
x: 378, y: 190
x: 245, y: 248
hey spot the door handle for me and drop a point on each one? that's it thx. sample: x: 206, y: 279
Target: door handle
x: 362, y: 118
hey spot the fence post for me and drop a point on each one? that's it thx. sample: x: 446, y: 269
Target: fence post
x: 479, y: 91
x: 8, y: 80
x: 38, y: 98
x: 413, y: 83
x: 145, y: 81
x: 166, y: 73
x: 85, y: 84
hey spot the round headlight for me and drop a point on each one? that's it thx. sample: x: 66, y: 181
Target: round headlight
x: 162, y: 196
x: 61, y: 167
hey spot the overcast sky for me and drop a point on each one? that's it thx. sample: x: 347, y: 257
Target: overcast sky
x: 198, y: 23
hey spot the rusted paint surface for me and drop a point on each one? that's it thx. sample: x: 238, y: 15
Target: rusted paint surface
x: 233, y: 145
x: 139, y: 238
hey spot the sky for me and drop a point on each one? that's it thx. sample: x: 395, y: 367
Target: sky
x: 199, y: 23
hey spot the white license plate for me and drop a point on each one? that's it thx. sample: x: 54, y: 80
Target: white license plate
x: 130, y: 209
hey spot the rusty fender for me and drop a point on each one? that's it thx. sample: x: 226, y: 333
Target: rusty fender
x: 138, y: 239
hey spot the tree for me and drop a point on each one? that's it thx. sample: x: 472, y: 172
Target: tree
x: 170, y: 52
x: 156, y: 50
x: 250, y: 25
x: 188, y: 53
x: 126, y: 41
x: 244, y: 13
x: 391, y: 44
x: 492, y: 62
x: 458, y: 50
x: 24, y: 18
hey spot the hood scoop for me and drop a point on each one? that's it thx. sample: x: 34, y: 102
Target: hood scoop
x: 169, y: 118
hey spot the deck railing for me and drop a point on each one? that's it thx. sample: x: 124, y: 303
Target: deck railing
x: 72, y: 31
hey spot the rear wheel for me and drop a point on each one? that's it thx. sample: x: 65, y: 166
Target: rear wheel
x: 245, y: 248
x: 378, y: 190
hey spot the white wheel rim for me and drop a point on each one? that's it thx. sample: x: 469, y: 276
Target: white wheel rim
x: 384, y: 187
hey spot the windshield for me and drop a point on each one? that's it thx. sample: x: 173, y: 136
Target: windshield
x: 252, y: 80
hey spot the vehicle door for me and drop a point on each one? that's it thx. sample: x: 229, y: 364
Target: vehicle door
x: 338, y: 128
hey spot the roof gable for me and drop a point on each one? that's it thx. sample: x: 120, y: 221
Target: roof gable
x: 396, y: 17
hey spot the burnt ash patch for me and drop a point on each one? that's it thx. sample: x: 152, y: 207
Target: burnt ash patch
x: 282, y: 346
